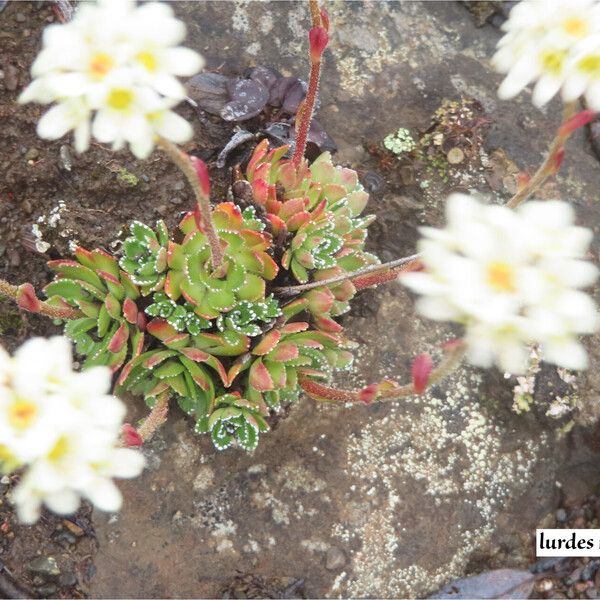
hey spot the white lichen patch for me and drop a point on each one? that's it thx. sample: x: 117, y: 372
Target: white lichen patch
x: 239, y: 20
x: 446, y: 453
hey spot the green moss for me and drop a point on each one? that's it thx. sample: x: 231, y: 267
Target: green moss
x: 126, y: 177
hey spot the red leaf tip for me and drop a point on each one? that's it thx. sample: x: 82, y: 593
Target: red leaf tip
x: 579, y: 120
x: 26, y: 298
x: 421, y: 369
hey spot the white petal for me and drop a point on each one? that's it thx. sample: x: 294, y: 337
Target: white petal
x: 127, y: 463
x: 566, y: 353
x: 55, y: 123
x: 545, y: 89
x: 63, y: 502
x: 104, y: 494
x: 173, y: 127
x: 182, y: 61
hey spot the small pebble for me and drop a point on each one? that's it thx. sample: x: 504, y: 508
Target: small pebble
x: 65, y: 157
x: 32, y: 154
x: 11, y: 80
x: 44, y: 566
x: 561, y: 515
x: 180, y: 185
x: 20, y: 18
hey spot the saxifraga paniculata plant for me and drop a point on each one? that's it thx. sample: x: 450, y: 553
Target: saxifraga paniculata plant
x: 234, y: 314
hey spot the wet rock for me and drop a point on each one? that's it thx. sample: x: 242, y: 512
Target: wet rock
x: 44, y: 566
x: 335, y: 559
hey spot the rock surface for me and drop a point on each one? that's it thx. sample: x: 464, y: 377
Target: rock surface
x: 389, y: 500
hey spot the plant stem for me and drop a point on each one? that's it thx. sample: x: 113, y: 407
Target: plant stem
x: 315, y: 13
x: 311, y: 95
x: 548, y: 167
x: 449, y: 363
x: 405, y: 262
x: 307, y: 112
x: 157, y: 416
x: 54, y: 312
x: 182, y: 161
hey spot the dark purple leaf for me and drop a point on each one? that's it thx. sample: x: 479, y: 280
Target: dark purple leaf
x: 514, y: 584
x: 317, y: 135
x: 294, y: 95
x: 248, y: 98
x: 239, y: 137
x: 280, y: 89
x: 265, y: 75
x: 209, y: 90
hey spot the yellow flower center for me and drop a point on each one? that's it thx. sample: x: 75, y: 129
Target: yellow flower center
x: 148, y: 60
x: 120, y: 99
x: 590, y: 64
x: 22, y: 413
x: 553, y: 60
x: 60, y: 449
x: 576, y: 27
x: 101, y: 64
x: 501, y: 277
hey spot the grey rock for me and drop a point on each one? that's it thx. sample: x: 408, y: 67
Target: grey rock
x: 335, y: 559
x: 44, y: 566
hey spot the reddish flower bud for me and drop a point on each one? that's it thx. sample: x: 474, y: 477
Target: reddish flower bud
x: 130, y: 435
x: 368, y: 393
x: 452, y: 345
x: 27, y: 299
x: 421, y: 369
x: 579, y: 120
x: 202, y: 173
x: 324, y: 19
x: 523, y: 179
x: 558, y: 158
x: 318, y: 40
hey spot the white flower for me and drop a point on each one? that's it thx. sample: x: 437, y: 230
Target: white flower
x: 546, y: 43
x: 64, y: 426
x: 513, y: 278
x: 81, y: 463
x: 121, y: 62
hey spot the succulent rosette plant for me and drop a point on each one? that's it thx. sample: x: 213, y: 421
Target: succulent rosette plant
x: 221, y: 340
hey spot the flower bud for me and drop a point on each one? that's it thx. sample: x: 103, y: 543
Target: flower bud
x: 202, y: 174
x: 421, y: 369
x: 130, y: 435
x: 318, y: 40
